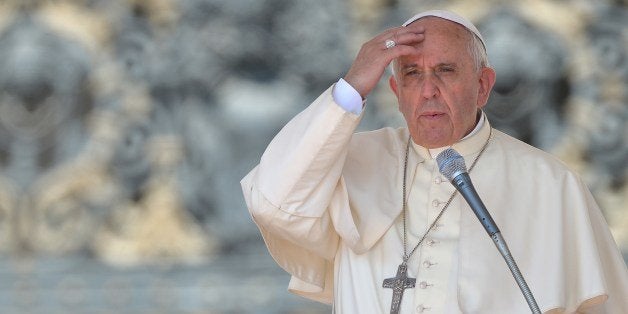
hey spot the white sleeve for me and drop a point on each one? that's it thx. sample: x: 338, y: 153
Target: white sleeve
x: 347, y: 97
x: 297, y: 185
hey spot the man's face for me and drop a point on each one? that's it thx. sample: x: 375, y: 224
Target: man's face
x: 439, y: 89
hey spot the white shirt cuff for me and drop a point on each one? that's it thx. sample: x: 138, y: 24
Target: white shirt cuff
x: 347, y: 97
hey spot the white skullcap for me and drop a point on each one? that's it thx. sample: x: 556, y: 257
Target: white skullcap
x: 450, y: 16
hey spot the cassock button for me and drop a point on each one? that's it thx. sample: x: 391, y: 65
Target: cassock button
x: 424, y: 285
x: 435, y: 203
x: 431, y: 242
x: 428, y: 264
x: 438, y: 180
x: 422, y: 308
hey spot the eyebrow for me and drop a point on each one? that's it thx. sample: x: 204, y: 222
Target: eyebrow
x: 408, y: 65
x: 439, y: 65
x: 447, y: 64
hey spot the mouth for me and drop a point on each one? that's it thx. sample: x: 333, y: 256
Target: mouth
x: 431, y: 115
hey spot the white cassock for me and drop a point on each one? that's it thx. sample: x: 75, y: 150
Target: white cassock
x: 328, y: 203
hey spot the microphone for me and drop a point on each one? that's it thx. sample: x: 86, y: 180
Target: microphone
x: 452, y: 166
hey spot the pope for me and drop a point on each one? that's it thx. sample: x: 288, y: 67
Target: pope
x: 366, y: 222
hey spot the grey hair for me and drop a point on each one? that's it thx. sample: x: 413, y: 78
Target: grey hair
x: 476, y: 50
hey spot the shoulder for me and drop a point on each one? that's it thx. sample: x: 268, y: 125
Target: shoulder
x: 530, y: 159
x: 518, y: 148
x: 381, y: 146
x: 378, y: 141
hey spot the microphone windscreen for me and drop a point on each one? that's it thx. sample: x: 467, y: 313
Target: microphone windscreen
x: 450, y: 163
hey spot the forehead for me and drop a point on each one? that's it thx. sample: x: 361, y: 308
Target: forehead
x: 445, y: 41
x: 438, y: 27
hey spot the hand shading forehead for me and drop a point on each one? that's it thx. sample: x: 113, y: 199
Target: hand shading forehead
x: 445, y: 43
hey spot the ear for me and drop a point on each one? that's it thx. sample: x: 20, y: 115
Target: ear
x: 487, y: 80
x: 392, y: 82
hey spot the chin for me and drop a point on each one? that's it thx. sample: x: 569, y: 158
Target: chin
x: 434, y: 141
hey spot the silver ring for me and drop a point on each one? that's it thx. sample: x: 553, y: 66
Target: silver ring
x: 390, y: 43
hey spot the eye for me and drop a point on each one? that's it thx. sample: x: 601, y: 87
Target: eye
x: 411, y: 72
x: 446, y: 69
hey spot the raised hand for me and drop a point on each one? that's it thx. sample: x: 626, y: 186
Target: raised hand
x: 376, y: 54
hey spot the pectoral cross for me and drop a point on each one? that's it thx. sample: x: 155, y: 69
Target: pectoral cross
x: 399, y: 283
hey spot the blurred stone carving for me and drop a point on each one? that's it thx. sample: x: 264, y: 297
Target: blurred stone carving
x: 597, y: 140
x: 8, y: 212
x: 43, y: 101
x: 529, y: 96
x: 154, y: 228
x: 73, y: 143
x: 608, y: 140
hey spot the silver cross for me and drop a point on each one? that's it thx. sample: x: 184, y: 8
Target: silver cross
x: 399, y: 283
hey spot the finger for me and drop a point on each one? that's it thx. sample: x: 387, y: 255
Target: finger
x: 398, y: 36
x: 415, y: 27
x: 408, y: 39
x: 400, y: 31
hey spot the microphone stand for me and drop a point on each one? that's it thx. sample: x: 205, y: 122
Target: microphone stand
x: 500, y: 243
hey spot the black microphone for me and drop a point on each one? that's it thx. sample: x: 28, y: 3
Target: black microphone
x: 452, y: 166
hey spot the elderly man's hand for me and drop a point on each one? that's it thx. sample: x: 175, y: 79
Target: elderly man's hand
x: 374, y: 56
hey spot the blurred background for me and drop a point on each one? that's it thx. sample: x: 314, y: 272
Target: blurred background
x: 126, y: 125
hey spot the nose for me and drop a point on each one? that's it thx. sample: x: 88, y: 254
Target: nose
x: 429, y: 89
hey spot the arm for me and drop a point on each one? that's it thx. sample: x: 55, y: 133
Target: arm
x: 290, y: 192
